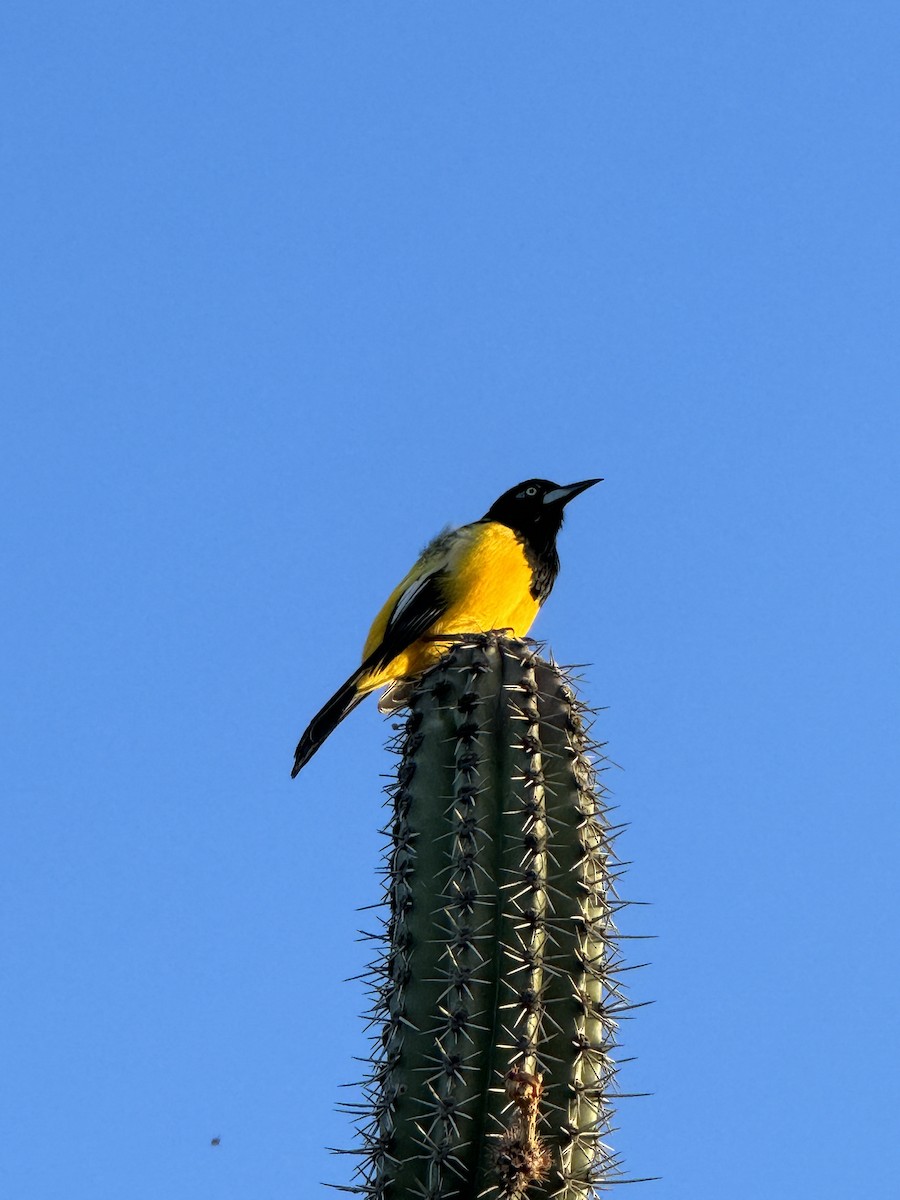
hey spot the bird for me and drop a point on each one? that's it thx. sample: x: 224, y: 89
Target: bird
x: 494, y: 573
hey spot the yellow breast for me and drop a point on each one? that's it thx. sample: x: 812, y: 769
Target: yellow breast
x: 488, y: 587
x: 491, y: 585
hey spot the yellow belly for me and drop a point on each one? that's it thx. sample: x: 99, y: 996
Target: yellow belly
x: 490, y: 589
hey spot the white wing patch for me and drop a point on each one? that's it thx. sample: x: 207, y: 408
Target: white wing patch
x: 414, y: 589
x: 422, y: 602
x: 437, y: 553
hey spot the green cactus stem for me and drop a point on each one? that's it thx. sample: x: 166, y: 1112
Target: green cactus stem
x: 495, y: 999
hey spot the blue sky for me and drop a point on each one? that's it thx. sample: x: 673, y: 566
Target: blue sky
x: 286, y: 288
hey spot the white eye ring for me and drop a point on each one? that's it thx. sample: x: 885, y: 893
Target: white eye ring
x: 532, y: 491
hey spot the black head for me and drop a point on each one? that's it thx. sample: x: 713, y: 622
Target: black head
x: 535, y: 508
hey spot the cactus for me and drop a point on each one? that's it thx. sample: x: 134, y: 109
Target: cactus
x: 495, y: 1000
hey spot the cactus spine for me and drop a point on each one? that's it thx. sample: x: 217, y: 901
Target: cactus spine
x: 495, y: 1001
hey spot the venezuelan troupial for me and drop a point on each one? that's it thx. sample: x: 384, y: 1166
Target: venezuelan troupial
x: 493, y: 574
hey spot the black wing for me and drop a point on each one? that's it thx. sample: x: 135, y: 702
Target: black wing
x: 414, y: 614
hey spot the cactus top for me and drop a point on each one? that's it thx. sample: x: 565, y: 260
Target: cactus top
x: 492, y: 574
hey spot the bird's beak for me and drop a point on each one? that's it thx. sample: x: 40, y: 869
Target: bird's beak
x: 562, y: 495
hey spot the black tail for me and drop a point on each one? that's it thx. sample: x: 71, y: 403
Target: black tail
x: 344, y: 700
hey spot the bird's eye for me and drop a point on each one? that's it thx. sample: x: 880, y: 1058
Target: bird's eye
x: 532, y: 491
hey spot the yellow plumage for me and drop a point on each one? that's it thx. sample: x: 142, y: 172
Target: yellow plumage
x: 487, y: 587
x: 492, y: 574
